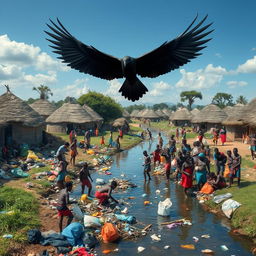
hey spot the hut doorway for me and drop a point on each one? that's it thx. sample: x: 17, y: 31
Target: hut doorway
x: 69, y: 128
x: 8, y: 135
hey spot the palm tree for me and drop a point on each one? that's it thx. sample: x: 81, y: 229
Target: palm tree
x: 241, y: 100
x: 44, y: 91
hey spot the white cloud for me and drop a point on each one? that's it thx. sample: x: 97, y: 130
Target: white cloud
x: 254, y: 49
x: 233, y: 84
x: 160, y: 88
x: 248, y: 67
x: 202, y: 78
x: 78, y: 88
x: 25, y: 55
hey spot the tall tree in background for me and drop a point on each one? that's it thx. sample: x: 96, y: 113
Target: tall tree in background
x: 44, y: 91
x: 160, y: 106
x: 107, y: 107
x: 190, y: 96
x: 241, y: 100
x: 223, y: 99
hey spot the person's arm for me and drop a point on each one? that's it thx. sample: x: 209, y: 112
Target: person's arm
x: 110, y: 195
x: 89, y: 175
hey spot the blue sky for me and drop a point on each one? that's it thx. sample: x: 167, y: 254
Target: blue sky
x: 121, y: 28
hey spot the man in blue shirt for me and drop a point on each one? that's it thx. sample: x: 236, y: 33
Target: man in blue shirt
x: 61, y: 152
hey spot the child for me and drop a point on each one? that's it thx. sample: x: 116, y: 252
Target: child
x: 102, y: 141
x: 235, y: 168
x: 84, y: 176
x: 156, y: 155
x: 104, y: 194
x: 207, y: 151
x: 147, y: 165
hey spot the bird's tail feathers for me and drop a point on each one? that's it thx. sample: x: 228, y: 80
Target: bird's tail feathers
x: 133, y: 90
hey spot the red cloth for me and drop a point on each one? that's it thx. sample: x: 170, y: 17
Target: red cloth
x: 157, y: 156
x: 167, y: 167
x: 101, y: 196
x: 187, y: 181
x: 200, y: 138
x: 66, y: 212
x: 223, y: 138
x: 87, y: 183
x: 81, y: 252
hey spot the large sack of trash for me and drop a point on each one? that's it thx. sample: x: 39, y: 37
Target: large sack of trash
x: 109, y: 233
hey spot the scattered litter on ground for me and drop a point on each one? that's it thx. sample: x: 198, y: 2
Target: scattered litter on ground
x: 229, y: 207
x: 141, y: 249
x: 188, y: 246
x: 218, y: 199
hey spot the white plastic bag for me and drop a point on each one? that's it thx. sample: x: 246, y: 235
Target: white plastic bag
x: 100, y: 181
x: 164, y: 207
x: 90, y: 221
x: 77, y: 212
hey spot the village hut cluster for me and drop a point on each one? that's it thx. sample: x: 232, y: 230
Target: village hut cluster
x: 21, y: 123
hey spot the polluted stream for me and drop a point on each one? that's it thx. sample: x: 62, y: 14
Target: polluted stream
x: 220, y: 240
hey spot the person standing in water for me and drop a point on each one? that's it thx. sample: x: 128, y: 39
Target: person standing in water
x: 84, y: 176
x: 147, y: 165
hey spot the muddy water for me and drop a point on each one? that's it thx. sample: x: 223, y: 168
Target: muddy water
x: 130, y: 163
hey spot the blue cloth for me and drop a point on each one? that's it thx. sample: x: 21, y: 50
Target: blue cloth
x: 201, y: 177
x: 125, y: 218
x: 55, y: 240
x: 253, y: 148
x: 74, y: 234
x: 172, y: 149
x: 201, y: 155
x: 61, y: 176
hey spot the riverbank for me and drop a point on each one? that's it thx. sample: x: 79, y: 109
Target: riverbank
x: 35, y: 212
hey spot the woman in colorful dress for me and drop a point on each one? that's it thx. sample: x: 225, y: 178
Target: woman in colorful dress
x: 223, y: 135
x: 187, y: 173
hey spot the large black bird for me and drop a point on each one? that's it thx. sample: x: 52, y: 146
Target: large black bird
x: 169, y: 56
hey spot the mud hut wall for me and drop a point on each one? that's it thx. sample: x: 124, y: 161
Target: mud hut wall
x: 56, y: 128
x: 235, y: 132
x: 2, y: 136
x: 29, y: 135
x: 181, y: 123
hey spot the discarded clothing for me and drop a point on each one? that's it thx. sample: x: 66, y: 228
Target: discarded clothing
x: 18, y: 173
x: 126, y: 218
x: 218, y: 199
x: 74, y: 233
x: 90, y: 240
x: 229, y: 207
x: 34, y: 236
x: 174, y: 225
x: 56, y: 240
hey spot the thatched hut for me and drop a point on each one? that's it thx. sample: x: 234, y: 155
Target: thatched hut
x: 195, y: 111
x: 181, y: 117
x: 19, y: 123
x: 210, y: 116
x: 161, y: 114
x: 97, y: 119
x: 235, y: 123
x: 43, y: 107
x: 68, y: 117
x: 121, y: 123
x: 228, y: 110
x: 167, y: 112
x: 134, y: 113
x: 250, y: 117
x: 139, y: 115
x: 150, y: 114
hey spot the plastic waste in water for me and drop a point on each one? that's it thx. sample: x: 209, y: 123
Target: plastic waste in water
x: 166, y: 247
x: 205, y: 236
x: 196, y: 239
x: 141, y: 249
x: 224, y: 248
x: 154, y: 237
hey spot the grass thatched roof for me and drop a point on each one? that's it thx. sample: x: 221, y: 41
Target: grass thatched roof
x: 236, y: 115
x: 249, y: 113
x: 167, y: 112
x: 228, y: 110
x: 43, y: 107
x: 161, y: 113
x: 70, y: 113
x: 210, y: 114
x: 119, y: 122
x: 150, y: 114
x: 14, y: 109
x: 195, y: 111
x: 95, y: 116
x: 181, y: 114
x: 134, y: 113
x: 126, y: 113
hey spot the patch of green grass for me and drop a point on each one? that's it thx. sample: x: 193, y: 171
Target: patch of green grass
x: 247, y: 162
x: 24, y: 216
x: 245, y: 216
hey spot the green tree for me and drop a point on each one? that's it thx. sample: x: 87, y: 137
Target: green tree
x: 190, y: 96
x: 107, y: 107
x: 135, y: 106
x: 69, y: 99
x: 223, y: 99
x: 44, y: 91
x: 31, y: 100
x: 241, y: 100
x: 179, y: 105
x: 160, y: 106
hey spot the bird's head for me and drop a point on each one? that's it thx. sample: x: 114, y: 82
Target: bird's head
x: 127, y: 60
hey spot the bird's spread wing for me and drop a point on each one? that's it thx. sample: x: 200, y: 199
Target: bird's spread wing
x: 174, y: 54
x: 82, y: 57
